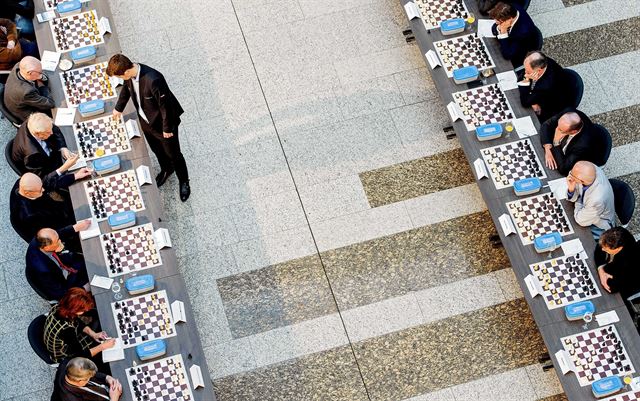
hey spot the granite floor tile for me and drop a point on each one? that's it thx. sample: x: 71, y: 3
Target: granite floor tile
x: 16, y: 283
x: 230, y: 358
x: 619, y: 79
x: 334, y: 198
x: 557, y: 397
x: 306, y: 112
x: 312, y: 7
x: 440, y: 395
x: 42, y: 395
x: 509, y: 284
x: 445, y: 205
x: 196, y: 233
x: 331, y: 375
x: 416, y: 85
x: 25, y: 373
x: 543, y: 6
x: 421, y: 124
x: 17, y: 313
x: 623, y: 124
x: 507, y: 386
x: 623, y: 160
x: 545, y: 384
x: 634, y: 181
x: 449, y: 352
x: 569, y: 3
x: 413, y: 260
x: 595, y: 98
x: 416, y: 178
x: 378, y: 64
x: 275, y: 296
x: 369, y: 96
x: 593, y: 43
x: 268, y: 14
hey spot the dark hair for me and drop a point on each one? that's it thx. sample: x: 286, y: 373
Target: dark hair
x: 502, y: 12
x: 539, y: 60
x: 118, y: 64
x: 43, y: 239
x: 74, y: 301
x: 614, y: 237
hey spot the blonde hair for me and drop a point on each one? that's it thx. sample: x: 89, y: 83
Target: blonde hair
x: 81, y: 369
x: 39, y: 122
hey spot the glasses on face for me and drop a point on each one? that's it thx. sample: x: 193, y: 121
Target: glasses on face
x: 575, y: 178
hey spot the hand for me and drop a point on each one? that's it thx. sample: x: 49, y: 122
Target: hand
x: 66, y: 153
x: 549, y: 160
x: 536, y: 109
x: 82, y: 225
x: 71, y: 160
x: 116, y: 114
x: 115, y: 389
x: 103, y: 334
x: 604, y: 278
x: 167, y: 134
x: 82, y: 173
x: 106, y: 344
x: 11, y: 44
x: 504, y: 26
x: 571, y: 183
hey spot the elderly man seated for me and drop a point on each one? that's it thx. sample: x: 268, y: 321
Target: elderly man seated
x: 78, y: 379
x: 590, y: 190
x: 27, y: 90
x: 617, y: 257
x: 568, y: 137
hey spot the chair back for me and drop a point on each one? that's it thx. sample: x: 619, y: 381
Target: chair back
x: 574, y: 86
x: 13, y: 119
x: 624, y: 199
x: 7, y: 155
x: 540, y: 40
x: 605, y: 143
x: 35, y: 288
x: 35, y: 334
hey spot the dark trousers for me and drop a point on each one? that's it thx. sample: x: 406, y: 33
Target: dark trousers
x: 167, y: 150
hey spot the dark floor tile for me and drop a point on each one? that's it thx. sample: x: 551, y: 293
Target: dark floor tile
x: 276, y: 296
x: 634, y: 182
x: 593, y: 43
x: 326, y: 376
x: 557, y: 397
x: 413, y: 260
x: 569, y: 3
x: 449, y: 352
x: 623, y: 124
x: 416, y: 178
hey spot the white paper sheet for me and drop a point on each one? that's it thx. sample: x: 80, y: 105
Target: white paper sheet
x: 50, y: 60
x: 559, y: 188
x: 484, y: 28
x: 92, y: 231
x: 524, y: 127
x: 114, y: 354
x: 606, y: 318
x: 572, y: 247
x: 101, y: 282
x: 507, y: 80
x: 65, y: 116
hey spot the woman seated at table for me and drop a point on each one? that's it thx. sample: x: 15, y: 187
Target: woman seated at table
x: 618, y: 261
x: 66, y: 334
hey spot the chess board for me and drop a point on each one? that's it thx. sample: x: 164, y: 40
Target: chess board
x: 143, y: 318
x: 76, y: 31
x: 483, y: 105
x: 130, y: 250
x: 512, y: 162
x: 51, y: 4
x: 435, y: 11
x: 113, y: 194
x: 161, y: 380
x: 87, y: 83
x: 538, y: 215
x: 104, y: 134
x: 597, y: 354
x: 463, y: 51
x: 629, y: 396
x: 565, y: 280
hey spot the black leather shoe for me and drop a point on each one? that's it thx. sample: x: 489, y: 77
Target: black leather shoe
x: 162, y: 177
x: 185, y: 191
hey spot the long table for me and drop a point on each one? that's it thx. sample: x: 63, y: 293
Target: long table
x: 186, y: 342
x: 552, y: 323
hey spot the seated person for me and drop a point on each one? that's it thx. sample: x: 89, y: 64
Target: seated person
x: 568, y: 137
x: 543, y: 86
x: 32, y: 207
x: 78, y: 379
x: 21, y: 12
x: 13, y: 49
x: 590, y: 190
x: 516, y: 32
x: 617, y: 258
x: 66, y: 335
x: 50, y: 268
x: 27, y: 90
x: 40, y: 148
x: 485, y: 6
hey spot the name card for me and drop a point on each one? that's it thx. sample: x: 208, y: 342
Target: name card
x: 412, y: 10
x: 104, y: 26
x: 144, y: 175
x: 506, y: 224
x: 177, y: 311
x: 533, y: 285
x: 432, y: 59
x: 132, y: 128
x: 452, y: 108
x: 564, y: 361
x: 573, y: 247
x: 162, y: 239
x: 196, y: 376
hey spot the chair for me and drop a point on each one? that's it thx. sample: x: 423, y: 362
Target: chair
x: 605, y: 143
x: 7, y: 155
x: 35, y: 334
x: 4, y: 74
x: 526, y: 4
x: 574, y: 86
x: 633, y: 304
x: 624, y: 199
x: 13, y: 119
x: 540, y: 40
x: 36, y: 289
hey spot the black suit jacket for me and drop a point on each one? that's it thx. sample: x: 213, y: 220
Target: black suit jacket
x: 550, y: 92
x: 587, y: 145
x: 45, y: 274
x: 22, y: 97
x: 486, y: 5
x: 158, y: 102
x: 523, y: 38
x: 29, y: 156
x: 623, y: 267
x: 27, y: 216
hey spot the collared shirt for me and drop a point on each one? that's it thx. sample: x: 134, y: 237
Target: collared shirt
x: 65, y: 273
x: 570, y: 137
x: 506, y: 34
x: 44, y: 146
x: 136, y: 89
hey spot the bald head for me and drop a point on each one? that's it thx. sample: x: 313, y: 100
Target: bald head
x: 30, y: 186
x: 584, y: 171
x: 30, y: 68
x: 570, y: 123
x: 47, y: 237
x: 535, y: 60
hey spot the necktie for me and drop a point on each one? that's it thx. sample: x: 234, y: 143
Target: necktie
x: 45, y: 147
x: 62, y: 265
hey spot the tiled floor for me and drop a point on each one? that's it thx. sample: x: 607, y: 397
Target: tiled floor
x: 335, y: 245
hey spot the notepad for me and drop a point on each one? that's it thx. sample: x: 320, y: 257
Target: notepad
x: 65, y: 116
x: 92, y: 231
x: 50, y: 60
x: 113, y: 354
x: 101, y: 282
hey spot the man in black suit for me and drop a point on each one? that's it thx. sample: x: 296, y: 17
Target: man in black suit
x: 544, y: 86
x: 569, y: 137
x: 39, y: 148
x: 27, y: 90
x: 159, y: 113
x: 485, y: 6
x: 50, y: 268
x: 32, y: 208
x: 516, y: 32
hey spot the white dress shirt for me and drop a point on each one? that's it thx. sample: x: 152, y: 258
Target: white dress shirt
x: 136, y: 89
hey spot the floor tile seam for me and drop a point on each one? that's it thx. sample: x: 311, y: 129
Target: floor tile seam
x: 335, y: 301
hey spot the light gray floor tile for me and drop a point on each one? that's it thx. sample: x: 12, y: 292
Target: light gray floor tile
x: 268, y: 14
x: 5, y: 267
x: 423, y: 122
x: 205, y: 229
x: 509, y: 284
x: 595, y: 99
x: 334, y: 198
x: 41, y: 395
x: 543, y: 6
x: 305, y: 112
x: 21, y: 372
x: 619, y: 79
x: 369, y: 96
x: 441, y: 395
x: 508, y: 386
x: 230, y: 358
x: 313, y: 7
x: 623, y: 160
x: 544, y: 383
x: 16, y: 283
x: 17, y: 313
x: 379, y: 64
x: 416, y: 86
x: 155, y: 42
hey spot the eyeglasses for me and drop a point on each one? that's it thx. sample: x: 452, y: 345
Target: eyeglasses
x: 575, y: 178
